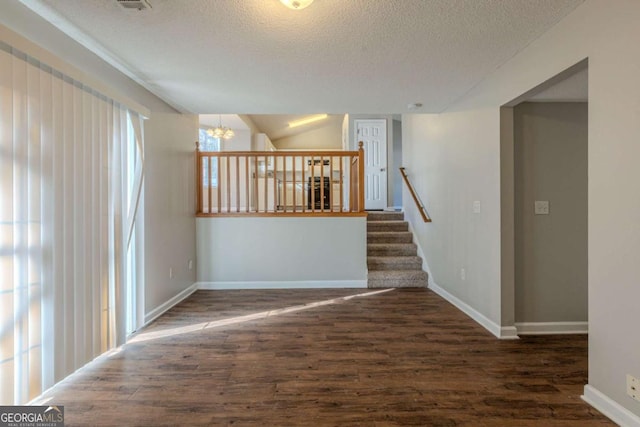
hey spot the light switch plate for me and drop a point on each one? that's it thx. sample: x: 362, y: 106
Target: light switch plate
x: 477, y: 207
x: 541, y: 207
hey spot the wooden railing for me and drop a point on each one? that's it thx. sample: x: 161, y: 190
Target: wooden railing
x: 280, y: 183
x: 423, y: 211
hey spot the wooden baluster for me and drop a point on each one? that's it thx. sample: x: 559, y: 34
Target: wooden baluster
x: 218, y: 188
x: 322, y: 195
x: 331, y: 184
x: 341, y: 178
x: 237, y: 183
x: 312, y: 184
x: 246, y: 183
x: 275, y: 184
x: 304, y: 182
x: 255, y: 182
x: 266, y: 182
x: 198, y: 179
x: 228, y: 165
x: 284, y: 181
x: 210, y: 183
x: 293, y: 176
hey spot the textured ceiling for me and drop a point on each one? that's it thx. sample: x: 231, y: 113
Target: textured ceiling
x: 336, y: 56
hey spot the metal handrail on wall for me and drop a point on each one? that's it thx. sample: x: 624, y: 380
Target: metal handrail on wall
x: 416, y: 199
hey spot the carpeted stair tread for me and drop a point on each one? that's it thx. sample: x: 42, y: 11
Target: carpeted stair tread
x: 394, y: 263
x: 385, y: 216
x: 389, y: 237
x: 397, y: 279
x: 387, y: 226
x: 392, y: 249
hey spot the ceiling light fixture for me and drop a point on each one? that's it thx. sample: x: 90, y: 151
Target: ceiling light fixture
x: 307, y: 120
x: 296, y: 4
x: 221, y: 131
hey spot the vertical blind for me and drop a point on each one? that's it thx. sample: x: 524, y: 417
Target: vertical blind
x: 71, y: 170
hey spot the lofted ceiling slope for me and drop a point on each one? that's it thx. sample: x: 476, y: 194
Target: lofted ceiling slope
x: 336, y: 56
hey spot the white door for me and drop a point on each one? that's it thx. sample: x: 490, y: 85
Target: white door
x: 373, y: 133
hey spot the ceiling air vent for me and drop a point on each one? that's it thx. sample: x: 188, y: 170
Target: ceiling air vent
x: 135, y: 4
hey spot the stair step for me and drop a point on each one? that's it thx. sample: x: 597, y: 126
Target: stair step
x: 387, y: 226
x: 397, y: 279
x: 385, y: 216
x: 392, y: 249
x: 389, y: 237
x: 387, y: 263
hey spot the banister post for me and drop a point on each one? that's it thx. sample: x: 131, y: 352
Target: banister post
x: 198, y: 180
x: 361, y: 176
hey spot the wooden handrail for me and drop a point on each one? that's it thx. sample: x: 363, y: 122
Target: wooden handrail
x: 423, y: 211
x: 280, y: 183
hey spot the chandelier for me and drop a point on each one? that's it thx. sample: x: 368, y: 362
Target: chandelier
x: 221, y: 131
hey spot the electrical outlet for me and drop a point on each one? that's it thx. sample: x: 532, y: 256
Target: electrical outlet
x: 463, y: 274
x: 633, y: 387
x: 190, y: 264
x: 477, y: 207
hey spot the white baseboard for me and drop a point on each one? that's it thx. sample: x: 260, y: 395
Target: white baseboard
x: 502, y: 332
x: 552, y: 328
x: 508, y: 333
x: 302, y: 284
x: 609, y: 407
x: 161, y: 309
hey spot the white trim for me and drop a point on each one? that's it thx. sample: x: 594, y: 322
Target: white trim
x: 551, y: 328
x: 502, y: 332
x: 162, y: 308
x: 297, y: 284
x: 610, y: 408
x: 508, y: 333
x: 20, y: 43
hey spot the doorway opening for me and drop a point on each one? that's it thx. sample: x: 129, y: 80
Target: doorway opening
x: 544, y: 207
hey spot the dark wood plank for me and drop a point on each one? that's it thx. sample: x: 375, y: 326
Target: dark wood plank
x: 403, y: 357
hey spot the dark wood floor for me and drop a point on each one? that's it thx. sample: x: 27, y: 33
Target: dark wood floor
x: 402, y: 357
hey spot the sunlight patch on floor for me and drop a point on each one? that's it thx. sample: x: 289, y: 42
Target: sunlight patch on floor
x: 147, y: 336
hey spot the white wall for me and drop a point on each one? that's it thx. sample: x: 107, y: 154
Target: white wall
x: 282, y: 252
x: 449, y: 174
x: 240, y: 142
x: 455, y: 157
x: 169, y: 195
x: 327, y: 137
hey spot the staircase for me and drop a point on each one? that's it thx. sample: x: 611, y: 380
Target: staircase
x: 391, y: 254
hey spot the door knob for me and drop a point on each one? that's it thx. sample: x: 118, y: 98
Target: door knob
x: 383, y: 169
